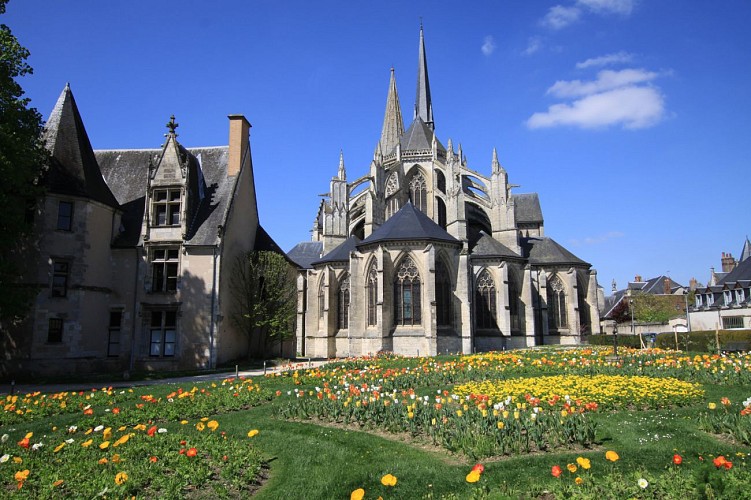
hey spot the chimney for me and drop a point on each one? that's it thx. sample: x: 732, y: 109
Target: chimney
x: 637, y: 279
x: 239, y: 133
x: 728, y: 262
x: 693, y: 284
x: 666, y: 286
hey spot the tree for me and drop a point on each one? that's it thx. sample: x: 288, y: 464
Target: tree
x: 650, y: 308
x: 265, y: 298
x: 23, y: 158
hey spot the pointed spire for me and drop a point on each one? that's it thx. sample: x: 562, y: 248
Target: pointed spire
x: 497, y: 168
x: 423, y: 104
x: 393, y: 124
x: 342, y: 173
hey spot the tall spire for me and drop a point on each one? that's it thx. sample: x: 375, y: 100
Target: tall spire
x: 342, y: 174
x: 423, y: 104
x: 393, y: 124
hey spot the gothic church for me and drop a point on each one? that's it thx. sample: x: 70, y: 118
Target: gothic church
x: 423, y: 255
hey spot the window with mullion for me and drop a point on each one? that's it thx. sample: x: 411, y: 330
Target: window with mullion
x: 343, y: 303
x: 485, y: 302
x: 166, y: 205
x: 372, y: 295
x: 163, y: 333
x: 65, y: 216
x: 165, y: 268
x: 407, y: 311
x: 60, y: 273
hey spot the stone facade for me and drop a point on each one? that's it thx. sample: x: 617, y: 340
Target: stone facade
x: 133, y: 252
x: 425, y: 255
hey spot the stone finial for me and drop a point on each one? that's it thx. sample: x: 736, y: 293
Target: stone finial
x: 172, y: 126
x: 342, y: 174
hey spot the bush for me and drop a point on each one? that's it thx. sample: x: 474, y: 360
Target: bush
x: 623, y: 340
x: 704, y: 341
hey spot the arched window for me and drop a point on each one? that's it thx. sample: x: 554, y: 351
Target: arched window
x: 556, y: 304
x: 584, y: 316
x: 321, y: 299
x: 513, y: 305
x: 407, y: 294
x: 440, y: 181
x: 485, y: 303
x: 343, y: 303
x: 418, y: 192
x: 444, y: 311
x: 392, y: 200
x: 441, y: 209
x: 372, y: 295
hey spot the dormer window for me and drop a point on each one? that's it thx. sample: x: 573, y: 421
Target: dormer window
x: 728, y: 296
x: 698, y: 300
x: 740, y: 296
x: 166, y: 207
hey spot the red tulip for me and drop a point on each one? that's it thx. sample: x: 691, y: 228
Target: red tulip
x: 677, y: 459
x: 556, y: 471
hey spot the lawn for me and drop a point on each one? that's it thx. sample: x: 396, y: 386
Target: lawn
x: 550, y: 423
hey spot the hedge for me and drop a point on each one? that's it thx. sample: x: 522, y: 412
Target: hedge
x: 699, y: 341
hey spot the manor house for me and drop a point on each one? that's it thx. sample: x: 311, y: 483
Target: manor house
x: 423, y: 254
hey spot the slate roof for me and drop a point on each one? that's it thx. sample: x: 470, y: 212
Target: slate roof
x: 303, y: 254
x: 655, y: 286
x: 73, y: 169
x: 741, y: 272
x: 340, y: 253
x: 419, y: 136
x: 487, y: 246
x: 126, y: 172
x: 545, y: 250
x: 409, y: 224
x: 527, y: 208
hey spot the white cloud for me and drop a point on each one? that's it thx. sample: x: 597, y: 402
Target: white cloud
x: 606, y: 80
x: 616, y: 58
x: 488, y: 46
x: 609, y: 6
x: 533, y: 45
x: 596, y: 240
x: 559, y: 16
x: 631, y: 107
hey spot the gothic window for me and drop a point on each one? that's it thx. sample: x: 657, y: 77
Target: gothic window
x: 164, y: 269
x: 321, y: 299
x: 485, y: 302
x: 513, y: 306
x: 584, y: 317
x: 440, y: 181
x: 441, y: 209
x: 60, y: 274
x: 65, y: 216
x: 163, y: 333
x: 55, y: 331
x: 343, y: 303
x: 372, y: 295
x: 392, y: 200
x: 407, y: 294
x: 166, y: 207
x: 113, y: 342
x: 418, y: 192
x: 556, y: 304
x: 444, y: 311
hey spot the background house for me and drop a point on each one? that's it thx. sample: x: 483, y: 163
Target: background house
x: 725, y: 303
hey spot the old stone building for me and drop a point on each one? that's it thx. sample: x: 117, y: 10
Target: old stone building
x: 423, y: 254
x: 132, y: 254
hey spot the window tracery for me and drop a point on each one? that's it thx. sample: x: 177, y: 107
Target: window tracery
x: 407, y: 294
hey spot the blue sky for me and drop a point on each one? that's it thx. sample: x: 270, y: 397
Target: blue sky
x: 630, y: 118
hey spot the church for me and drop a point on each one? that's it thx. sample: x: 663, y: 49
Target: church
x: 425, y: 255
